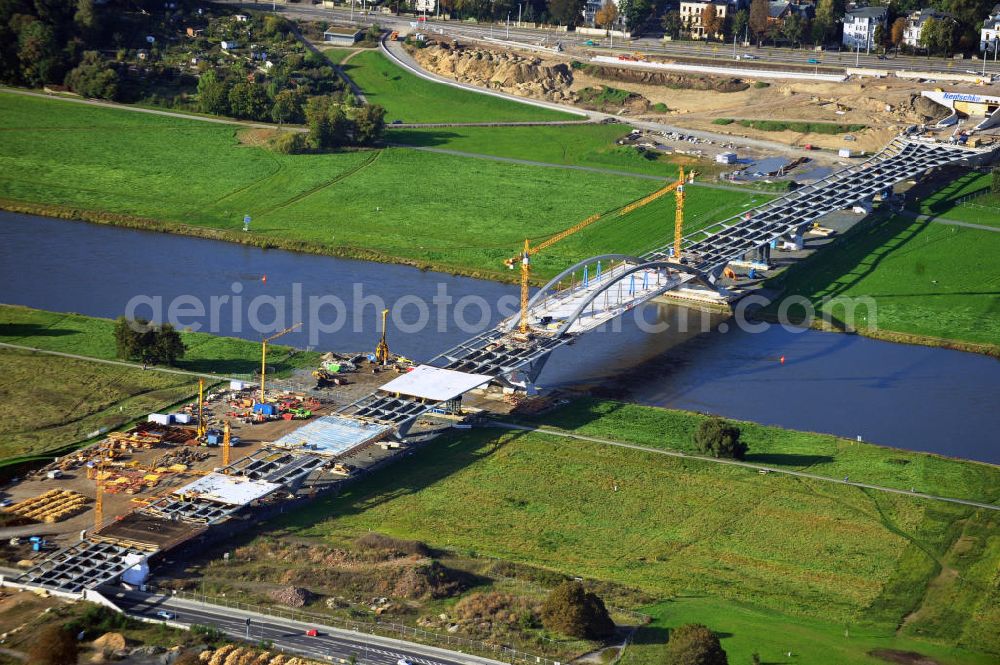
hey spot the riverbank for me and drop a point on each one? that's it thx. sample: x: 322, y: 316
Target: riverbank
x: 462, y: 215
x: 901, y: 280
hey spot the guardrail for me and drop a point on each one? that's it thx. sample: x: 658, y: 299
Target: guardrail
x: 381, y: 628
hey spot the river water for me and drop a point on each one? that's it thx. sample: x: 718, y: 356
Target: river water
x: 905, y: 396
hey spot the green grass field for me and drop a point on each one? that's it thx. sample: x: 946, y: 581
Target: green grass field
x: 47, y: 403
x: 775, y: 447
x: 432, y: 210
x: 944, y: 202
x: 410, y: 98
x: 91, y: 336
x: 772, y: 563
x: 578, y: 145
x: 927, y: 279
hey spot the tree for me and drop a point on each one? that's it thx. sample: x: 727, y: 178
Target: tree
x: 793, y: 28
x: 575, y: 612
x: 672, y: 24
x: 139, y: 340
x: 758, y: 17
x: 287, y: 107
x: 213, y: 94
x: 566, y: 12
x: 897, y: 30
x: 829, y: 14
x: 369, y: 124
x: 711, y: 22
x: 52, y: 645
x: 741, y: 20
x: 37, y: 52
x: 694, y: 644
x: 317, y: 119
x: 606, y: 15
x: 719, y: 438
x: 167, y: 346
x: 84, y: 17
x: 248, y: 99
x: 878, y: 37
x: 93, y: 78
x: 635, y: 12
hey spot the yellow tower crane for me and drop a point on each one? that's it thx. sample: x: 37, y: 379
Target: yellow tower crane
x: 202, y: 425
x: 263, y: 356
x: 679, y: 215
x: 226, y: 442
x: 529, y: 251
x: 382, y: 348
x: 99, y: 495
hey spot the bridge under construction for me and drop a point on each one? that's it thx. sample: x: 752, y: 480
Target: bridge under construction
x: 511, y: 354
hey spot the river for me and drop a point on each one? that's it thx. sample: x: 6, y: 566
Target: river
x: 911, y: 397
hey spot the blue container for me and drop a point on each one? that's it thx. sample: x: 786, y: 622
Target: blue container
x: 266, y: 409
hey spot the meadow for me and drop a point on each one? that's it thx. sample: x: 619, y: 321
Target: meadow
x: 747, y: 554
x: 931, y: 282
x: 577, y: 145
x: 94, y: 337
x: 460, y: 214
x: 982, y: 209
x: 48, y: 403
x: 409, y: 98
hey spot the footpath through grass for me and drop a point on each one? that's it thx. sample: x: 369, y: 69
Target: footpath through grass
x: 773, y: 563
x: 91, y: 336
x: 924, y: 279
x: 47, y: 403
x: 983, y: 208
x: 409, y: 98
x: 579, y: 145
x: 436, y: 211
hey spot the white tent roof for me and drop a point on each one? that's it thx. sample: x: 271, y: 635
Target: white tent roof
x: 230, y: 490
x: 434, y: 383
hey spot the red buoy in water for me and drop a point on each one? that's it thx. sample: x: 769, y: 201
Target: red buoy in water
x: 263, y: 278
x: 782, y: 360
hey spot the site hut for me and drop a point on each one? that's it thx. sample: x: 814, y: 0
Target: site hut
x: 342, y: 36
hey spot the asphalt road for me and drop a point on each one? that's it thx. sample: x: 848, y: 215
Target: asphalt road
x: 289, y: 635
x: 647, y: 44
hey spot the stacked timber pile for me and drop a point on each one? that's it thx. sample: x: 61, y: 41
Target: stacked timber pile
x: 231, y: 654
x: 50, y: 507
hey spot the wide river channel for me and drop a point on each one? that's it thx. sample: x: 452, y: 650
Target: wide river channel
x: 904, y: 396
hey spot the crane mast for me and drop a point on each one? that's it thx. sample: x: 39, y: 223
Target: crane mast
x: 679, y: 215
x: 263, y: 356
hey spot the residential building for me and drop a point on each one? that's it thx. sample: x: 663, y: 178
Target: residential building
x: 915, y: 25
x: 692, y: 13
x: 989, y: 36
x: 860, y: 24
x: 779, y: 10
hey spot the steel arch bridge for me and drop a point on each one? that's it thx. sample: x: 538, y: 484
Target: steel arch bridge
x: 602, y: 288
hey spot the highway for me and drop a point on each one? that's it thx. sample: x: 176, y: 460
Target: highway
x: 289, y: 635
x: 647, y: 44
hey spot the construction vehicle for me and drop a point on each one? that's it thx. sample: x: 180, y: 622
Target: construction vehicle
x: 525, y: 258
x: 263, y: 356
x: 325, y: 378
x: 382, y: 349
x: 394, y: 35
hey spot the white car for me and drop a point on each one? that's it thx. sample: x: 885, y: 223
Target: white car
x: 165, y: 615
x: 404, y: 661
x: 750, y: 56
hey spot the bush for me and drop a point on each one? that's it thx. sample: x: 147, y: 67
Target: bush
x: 140, y: 340
x: 377, y: 541
x: 719, y: 438
x: 93, y: 78
x: 97, y: 620
x: 52, y: 645
x: 290, y: 143
x: 572, y: 611
x: 660, y: 107
x: 694, y: 644
x: 761, y: 84
x: 723, y: 121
